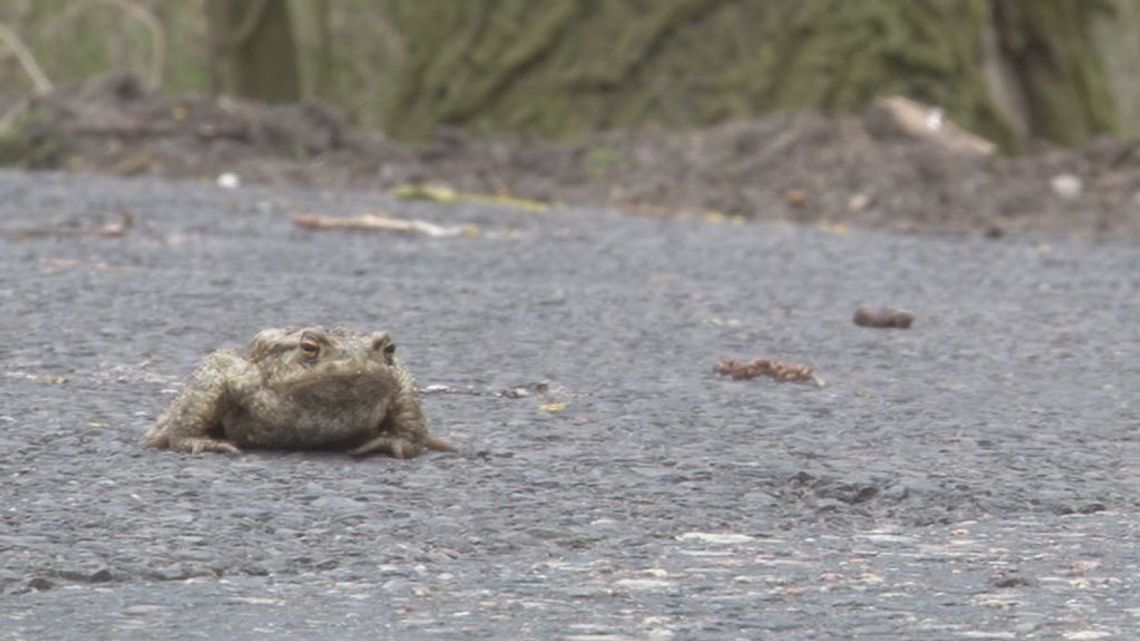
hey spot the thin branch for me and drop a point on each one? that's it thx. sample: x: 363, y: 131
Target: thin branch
x: 27, y: 60
x: 239, y: 36
x: 140, y: 14
x: 10, y: 117
x: 158, y: 37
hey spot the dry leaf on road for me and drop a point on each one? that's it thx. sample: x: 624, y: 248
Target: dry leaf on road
x: 444, y: 194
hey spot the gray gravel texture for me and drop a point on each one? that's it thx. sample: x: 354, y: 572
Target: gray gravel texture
x: 973, y: 477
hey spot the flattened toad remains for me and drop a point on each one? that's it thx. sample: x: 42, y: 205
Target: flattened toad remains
x: 300, y: 389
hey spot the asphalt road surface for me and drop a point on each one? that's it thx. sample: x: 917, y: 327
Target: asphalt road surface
x: 973, y: 477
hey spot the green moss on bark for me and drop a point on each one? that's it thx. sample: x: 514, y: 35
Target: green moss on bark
x: 559, y: 68
x: 252, y: 50
x: 1050, y: 42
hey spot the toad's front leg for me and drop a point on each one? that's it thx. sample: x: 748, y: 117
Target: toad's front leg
x: 403, y: 431
x: 193, y: 422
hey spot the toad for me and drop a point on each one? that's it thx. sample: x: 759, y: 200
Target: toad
x: 300, y: 389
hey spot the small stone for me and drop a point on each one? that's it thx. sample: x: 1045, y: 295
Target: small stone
x: 100, y: 574
x: 828, y: 505
x: 1091, y: 508
x: 718, y: 538
x: 796, y: 197
x: 858, y: 202
x: 888, y: 538
x: 39, y: 584
x: 1086, y: 635
x: 642, y: 584
x: 340, y: 506
x: 254, y: 568
x: 896, y: 492
x: 181, y: 571
x: 778, y: 624
x: 1009, y: 580
x: 144, y: 609
x: 545, y: 533
x: 229, y: 180
x: 275, y: 565
x: 1066, y: 186
x: 885, y: 317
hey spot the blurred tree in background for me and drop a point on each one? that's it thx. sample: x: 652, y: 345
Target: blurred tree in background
x: 1008, y: 69
x: 251, y: 50
x: 1058, y: 73
x: 561, y: 67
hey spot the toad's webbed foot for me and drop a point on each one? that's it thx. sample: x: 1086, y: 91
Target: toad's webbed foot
x: 199, y: 444
x: 394, y: 446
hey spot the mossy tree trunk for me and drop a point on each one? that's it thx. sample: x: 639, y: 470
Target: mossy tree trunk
x: 564, y: 67
x: 252, y: 50
x: 1117, y: 36
x: 1050, y: 45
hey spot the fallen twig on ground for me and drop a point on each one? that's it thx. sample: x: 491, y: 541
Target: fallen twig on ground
x: 374, y: 222
x: 663, y: 211
x: 445, y: 194
x: 46, y: 379
x: 49, y: 266
x: 883, y: 317
x: 112, y: 229
x: 913, y: 119
x: 779, y: 370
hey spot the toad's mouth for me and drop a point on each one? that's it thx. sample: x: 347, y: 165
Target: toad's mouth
x: 337, y: 379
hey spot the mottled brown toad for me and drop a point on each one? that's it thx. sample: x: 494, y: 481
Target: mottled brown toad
x: 300, y: 389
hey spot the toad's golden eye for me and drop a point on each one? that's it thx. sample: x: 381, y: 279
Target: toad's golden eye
x: 309, y: 347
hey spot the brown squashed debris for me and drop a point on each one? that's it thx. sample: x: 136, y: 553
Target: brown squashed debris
x: 779, y: 370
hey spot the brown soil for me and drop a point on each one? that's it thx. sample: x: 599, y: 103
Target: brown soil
x: 800, y: 167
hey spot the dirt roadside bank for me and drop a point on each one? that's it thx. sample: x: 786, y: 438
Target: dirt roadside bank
x: 800, y: 168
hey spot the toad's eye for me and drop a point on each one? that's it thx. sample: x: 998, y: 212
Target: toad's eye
x: 382, y: 342
x: 309, y: 347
